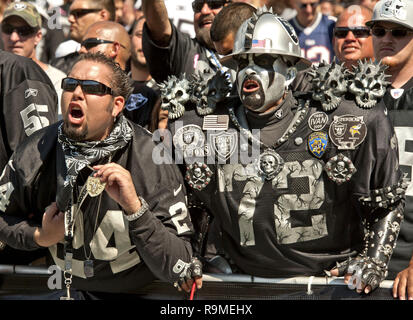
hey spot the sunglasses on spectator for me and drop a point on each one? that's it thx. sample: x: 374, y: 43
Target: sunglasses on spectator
x: 23, y: 31
x: 88, y: 86
x: 359, y: 32
x: 212, y: 4
x: 312, y: 4
x: 93, y: 42
x: 396, y: 33
x: 78, y: 13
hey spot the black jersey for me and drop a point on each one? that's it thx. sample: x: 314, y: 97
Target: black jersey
x: 182, y: 55
x: 300, y: 214
x: 28, y: 102
x: 399, y: 105
x: 126, y: 254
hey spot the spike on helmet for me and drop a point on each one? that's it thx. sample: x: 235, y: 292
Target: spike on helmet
x: 268, y: 33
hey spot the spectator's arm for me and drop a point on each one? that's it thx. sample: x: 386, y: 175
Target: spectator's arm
x: 157, y: 21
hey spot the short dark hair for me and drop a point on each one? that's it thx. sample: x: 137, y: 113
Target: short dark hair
x: 119, y: 80
x: 109, y: 5
x: 229, y: 19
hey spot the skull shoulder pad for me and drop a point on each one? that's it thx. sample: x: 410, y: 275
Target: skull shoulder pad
x: 329, y: 84
x: 209, y: 88
x: 368, y: 83
x: 175, y: 93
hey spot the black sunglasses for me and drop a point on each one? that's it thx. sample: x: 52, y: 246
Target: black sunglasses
x: 23, y: 31
x: 359, y: 32
x: 93, y: 42
x: 396, y: 33
x: 312, y: 4
x: 212, y: 4
x: 88, y: 86
x: 78, y: 13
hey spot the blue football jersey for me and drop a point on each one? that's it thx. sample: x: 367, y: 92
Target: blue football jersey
x: 316, y: 41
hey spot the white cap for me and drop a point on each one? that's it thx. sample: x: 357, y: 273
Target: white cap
x: 396, y: 11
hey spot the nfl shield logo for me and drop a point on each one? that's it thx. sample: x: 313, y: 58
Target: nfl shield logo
x: 317, y: 143
x: 224, y: 143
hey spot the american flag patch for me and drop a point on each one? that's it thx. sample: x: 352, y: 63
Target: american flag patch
x: 215, y: 122
x: 258, y: 43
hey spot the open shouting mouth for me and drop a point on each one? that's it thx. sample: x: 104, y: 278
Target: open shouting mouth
x: 250, y: 86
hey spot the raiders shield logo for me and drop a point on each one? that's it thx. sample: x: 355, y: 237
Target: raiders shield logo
x: 224, y: 143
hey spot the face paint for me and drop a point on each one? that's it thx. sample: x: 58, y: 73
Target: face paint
x: 261, y: 80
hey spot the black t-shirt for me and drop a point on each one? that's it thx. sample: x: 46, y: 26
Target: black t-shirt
x: 182, y: 55
x: 140, y: 104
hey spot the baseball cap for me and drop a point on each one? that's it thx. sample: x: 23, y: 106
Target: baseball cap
x: 26, y: 11
x: 396, y: 11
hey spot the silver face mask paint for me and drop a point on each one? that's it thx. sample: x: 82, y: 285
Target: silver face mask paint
x: 261, y: 80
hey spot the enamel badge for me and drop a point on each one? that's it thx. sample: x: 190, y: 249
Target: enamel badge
x: 317, y: 143
x: 198, y: 175
x: 317, y: 121
x: 340, y: 169
x: 348, y: 131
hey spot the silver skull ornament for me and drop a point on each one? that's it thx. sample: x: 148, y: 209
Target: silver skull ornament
x: 329, y: 85
x: 368, y: 83
x: 175, y: 94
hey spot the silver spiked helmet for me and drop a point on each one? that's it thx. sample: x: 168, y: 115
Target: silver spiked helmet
x: 266, y: 32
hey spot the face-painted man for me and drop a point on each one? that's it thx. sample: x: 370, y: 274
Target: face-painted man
x: 265, y: 66
x: 261, y: 80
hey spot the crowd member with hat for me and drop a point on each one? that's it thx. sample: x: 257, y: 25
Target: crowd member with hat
x: 392, y: 30
x: 21, y: 33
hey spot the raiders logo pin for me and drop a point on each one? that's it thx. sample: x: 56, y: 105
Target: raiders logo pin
x: 190, y: 140
x: 317, y: 121
x: 270, y: 164
x: 224, y: 143
x: 348, y: 131
x: 198, y: 175
x: 317, y: 143
x: 94, y: 187
x: 340, y: 169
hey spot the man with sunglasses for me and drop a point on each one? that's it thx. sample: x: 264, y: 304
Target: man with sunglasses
x: 82, y: 14
x: 111, y: 39
x: 392, y: 30
x: 352, y: 38
x: 111, y: 218
x: 314, y: 30
x: 171, y: 52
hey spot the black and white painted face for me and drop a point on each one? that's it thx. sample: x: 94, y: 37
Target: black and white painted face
x: 261, y: 80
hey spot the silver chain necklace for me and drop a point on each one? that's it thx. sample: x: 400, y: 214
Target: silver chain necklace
x: 270, y: 162
x: 299, y: 117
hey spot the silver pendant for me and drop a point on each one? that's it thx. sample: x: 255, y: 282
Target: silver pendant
x: 67, y: 294
x: 94, y: 187
x: 88, y: 268
x: 270, y: 164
